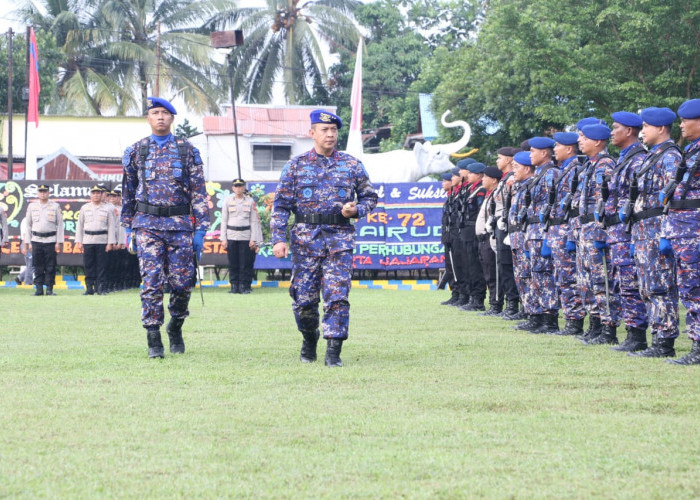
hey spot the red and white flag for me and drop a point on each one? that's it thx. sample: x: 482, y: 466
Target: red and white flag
x: 354, y: 145
x: 34, y: 85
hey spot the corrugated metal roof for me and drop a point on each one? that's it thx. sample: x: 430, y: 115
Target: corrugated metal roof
x: 287, y: 121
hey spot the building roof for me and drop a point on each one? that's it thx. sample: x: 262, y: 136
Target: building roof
x: 284, y: 121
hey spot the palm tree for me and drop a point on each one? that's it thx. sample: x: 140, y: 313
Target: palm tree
x: 286, y: 38
x: 115, y: 55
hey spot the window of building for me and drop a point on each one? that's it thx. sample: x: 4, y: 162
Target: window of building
x: 270, y: 157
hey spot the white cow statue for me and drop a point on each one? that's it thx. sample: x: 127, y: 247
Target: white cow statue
x: 412, y: 166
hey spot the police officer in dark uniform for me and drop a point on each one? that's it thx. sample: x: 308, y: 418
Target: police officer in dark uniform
x: 474, y: 198
x: 446, y: 240
x: 485, y: 233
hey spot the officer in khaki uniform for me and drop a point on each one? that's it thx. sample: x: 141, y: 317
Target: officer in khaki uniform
x: 117, y: 258
x: 45, y: 225
x: 241, y: 236
x: 95, y: 234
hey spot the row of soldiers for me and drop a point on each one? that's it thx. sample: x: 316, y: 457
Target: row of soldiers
x: 108, y: 266
x: 563, y: 226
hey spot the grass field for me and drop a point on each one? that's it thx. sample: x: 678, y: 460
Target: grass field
x: 432, y: 403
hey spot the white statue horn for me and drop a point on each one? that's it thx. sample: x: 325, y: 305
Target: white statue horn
x: 453, y: 147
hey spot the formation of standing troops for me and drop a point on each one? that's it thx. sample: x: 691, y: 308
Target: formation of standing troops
x: 561, y: 224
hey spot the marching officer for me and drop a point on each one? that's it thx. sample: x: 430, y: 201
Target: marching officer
x: 625, y: 131
x: 324, y: 188
x: 241, y: 236
x: 95, y: 234
x: 653, y: 253
x: 165, y: 205
x: 45, y: 225
x: 682, y: 225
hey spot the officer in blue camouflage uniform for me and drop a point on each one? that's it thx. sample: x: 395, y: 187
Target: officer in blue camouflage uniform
x: 682, y: 227
x: 324, y: 188
x: 625, y: 131
x: 652, y: 252
x: 164, y: 203
x: 554, y: 218
x: 544, y: 288
x: 592, y: 242
x: 517, y: 221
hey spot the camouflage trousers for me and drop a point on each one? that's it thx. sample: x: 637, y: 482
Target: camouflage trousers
x: 626, y: 283
x: 164, y: 255
x: 332, y: 274
x: 523, y: 280
x: 592, y: 279
x: 657, y: 281
x: 688, y: 276
x: 564, y: 263
x: 543, y: 288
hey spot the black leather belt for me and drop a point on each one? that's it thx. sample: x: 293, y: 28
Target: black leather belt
x: 533, y: 220
x: 162, y: 211
x: 585, y: 219
x: 648, y: 213
x: 685, y: 204
x: 43, y: 235
x: 612, y: 220
x: 95, y: 233
x: 238, y: 228
x: 321, y: 219
x: 557, y: 221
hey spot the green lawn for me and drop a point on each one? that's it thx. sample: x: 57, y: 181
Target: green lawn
x: 432, y: 402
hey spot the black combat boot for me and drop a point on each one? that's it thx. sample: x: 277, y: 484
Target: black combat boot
x: 308, y: 346
x: 511, y: 311
x: 608, y: 336
x: 550, y: 324
x: 39, y: 290
x: 101, y: 289
x: 636, y: 340
x: 660, y: 348
x: 595, y: 328
x: 494, y: 310
x: 692, y: 358
x: 234, y: 287
x: 155, y: 346
x: 245, y: 288
x: 454, y: 298
x: 49, y: 290
x: 333, y: 352
x: 572, y: 327
x: 462, y: 301
x: 174, y: 329
x: 89, y: 289
x: 535, y: 321
x: 474, y: 305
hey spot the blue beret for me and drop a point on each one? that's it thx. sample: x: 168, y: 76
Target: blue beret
x: 627, y: 119
x: 658, y: 117
x: 541, y: 142
x: 690, y: 109
x: 591, y: 120
x: 464, y: 163
x: 447, y: 176
x: 596, y: 132
x: 493, y: 172
x: 323, y: 116
x: 566, y: 138
x: 476, y: 168
x: 455, y: 171
x: 157, y: 102
x: 523, y: 158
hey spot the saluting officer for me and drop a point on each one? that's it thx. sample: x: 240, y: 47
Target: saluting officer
x: 164, y: 203
x: 45, y: 224
x: 682, y: 227
x: 241, y: 236
x: 95, y: 234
